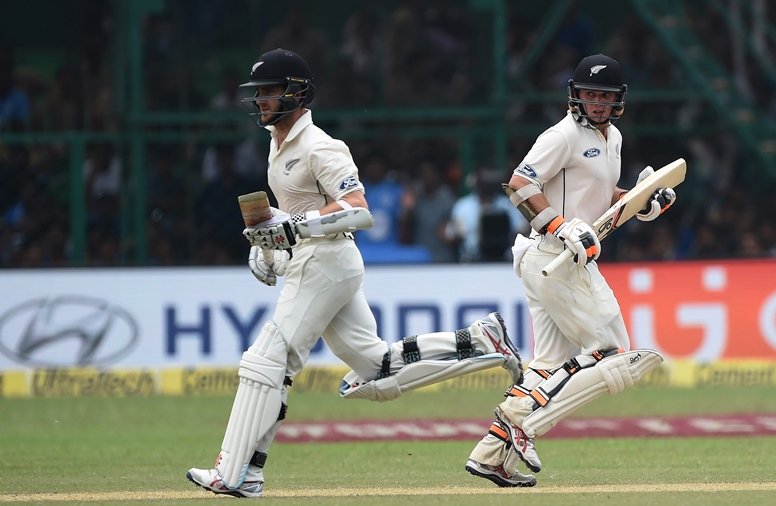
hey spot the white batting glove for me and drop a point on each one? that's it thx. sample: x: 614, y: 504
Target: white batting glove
x: 661, y: 200
x: 279, y: 236
x: 579, y: 238
x: 644, y: 174
x: 265, y: 273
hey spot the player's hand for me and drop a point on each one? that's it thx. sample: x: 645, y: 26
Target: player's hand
x: 267, y: 273
x: 580, y: 239
x: 278, y: 236
x: 644, y: 174
x: 661, y: 200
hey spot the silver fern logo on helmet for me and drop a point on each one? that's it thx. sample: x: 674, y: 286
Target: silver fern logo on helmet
x: 596, y: 69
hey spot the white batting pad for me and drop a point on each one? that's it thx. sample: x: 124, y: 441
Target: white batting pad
x: 611, y: 375
x: 415, y: 375
x: 254, y: 412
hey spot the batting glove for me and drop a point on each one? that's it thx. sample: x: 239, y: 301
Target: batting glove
x: 661, y: 200
x: 278, y: 236
x: 578, y: 237
x: 264, y: 272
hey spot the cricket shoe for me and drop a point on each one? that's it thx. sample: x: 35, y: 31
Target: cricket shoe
x: 212, y: 480
x: 523, y: 445
x: 499, y: 476
x: 494, y: 331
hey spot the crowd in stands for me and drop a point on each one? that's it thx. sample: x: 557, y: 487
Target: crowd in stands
x: 426, y: 207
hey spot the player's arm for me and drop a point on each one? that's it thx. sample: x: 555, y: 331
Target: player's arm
x: 618, y: 193
x: 333, y: 218
x: 527, y: 196
x: 355, y: 198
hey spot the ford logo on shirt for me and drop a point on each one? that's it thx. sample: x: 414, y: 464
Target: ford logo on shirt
x: 526, y: 170
x: 590, y: 153
x: 348, y: 182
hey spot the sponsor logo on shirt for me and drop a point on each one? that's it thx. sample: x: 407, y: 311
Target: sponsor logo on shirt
x: 526, y: 169
x: 348, y: 182
x: 590, y: 153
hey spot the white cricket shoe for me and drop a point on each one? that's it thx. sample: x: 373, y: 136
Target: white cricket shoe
x: 211, y: 479
x: 499, y: 476
x: 522, y: 444
x: 495, y: 332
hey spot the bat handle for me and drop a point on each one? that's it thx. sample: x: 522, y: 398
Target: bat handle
x: 269, y: 257
x: 563, y: 257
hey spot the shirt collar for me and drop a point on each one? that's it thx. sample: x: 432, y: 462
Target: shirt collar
x: 303, y: 121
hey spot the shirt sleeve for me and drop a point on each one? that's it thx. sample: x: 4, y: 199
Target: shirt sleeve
x: 333, y: 168
x: 549, y: 154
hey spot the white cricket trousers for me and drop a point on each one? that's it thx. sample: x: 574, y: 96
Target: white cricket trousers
x: 573, y: 310
x: 323, y: 296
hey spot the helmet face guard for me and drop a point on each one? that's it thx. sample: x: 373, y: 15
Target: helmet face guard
x: 284, y: 68
x: 599, y: 73
x: 297, y: 93
x: 577, y: 105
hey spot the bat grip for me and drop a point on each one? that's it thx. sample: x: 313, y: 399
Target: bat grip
x: 563, y: 257
x: 269, y: 257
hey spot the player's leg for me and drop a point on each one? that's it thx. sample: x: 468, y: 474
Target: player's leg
x: 585, y: 312
x: 257, y: 406
x: 383, y: 373
x: 309, y: 299
x: 551, y: 350
x: 493, y: 457
x: 495, y: 449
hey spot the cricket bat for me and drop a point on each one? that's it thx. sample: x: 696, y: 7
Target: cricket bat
x: 255, y: 209
x: 631, y: 203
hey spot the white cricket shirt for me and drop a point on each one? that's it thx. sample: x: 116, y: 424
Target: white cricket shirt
x: 577, y: 168
x: 310, y: 169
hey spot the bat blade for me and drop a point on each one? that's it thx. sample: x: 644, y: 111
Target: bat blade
x: 668, y: 176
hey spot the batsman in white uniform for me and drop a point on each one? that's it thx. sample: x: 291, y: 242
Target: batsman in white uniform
x: 581, y: 346
x: 309, y: 241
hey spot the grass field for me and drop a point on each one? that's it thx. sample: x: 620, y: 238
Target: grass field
x: 137, y: 450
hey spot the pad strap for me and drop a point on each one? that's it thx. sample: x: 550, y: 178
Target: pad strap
x: 517, y: 391
x: 463, y: 344
x: 344, y: 204
x: 259, y: 459
x: 385, y: 368
x: 411, y: 351
x: 500, y: 433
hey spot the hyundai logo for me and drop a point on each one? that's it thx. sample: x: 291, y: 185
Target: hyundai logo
x: 67, y: 330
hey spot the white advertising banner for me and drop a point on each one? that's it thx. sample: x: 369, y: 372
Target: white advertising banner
x: 160, y: 317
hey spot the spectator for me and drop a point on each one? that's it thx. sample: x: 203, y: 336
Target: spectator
x: 380, y: 244
x: 426, y: 209
x: 484, y: 223
x: 14, y: 103
x: 296, y: 33
x: 218, y: 220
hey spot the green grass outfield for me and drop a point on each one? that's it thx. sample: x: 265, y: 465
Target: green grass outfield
x: 137, y: 450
